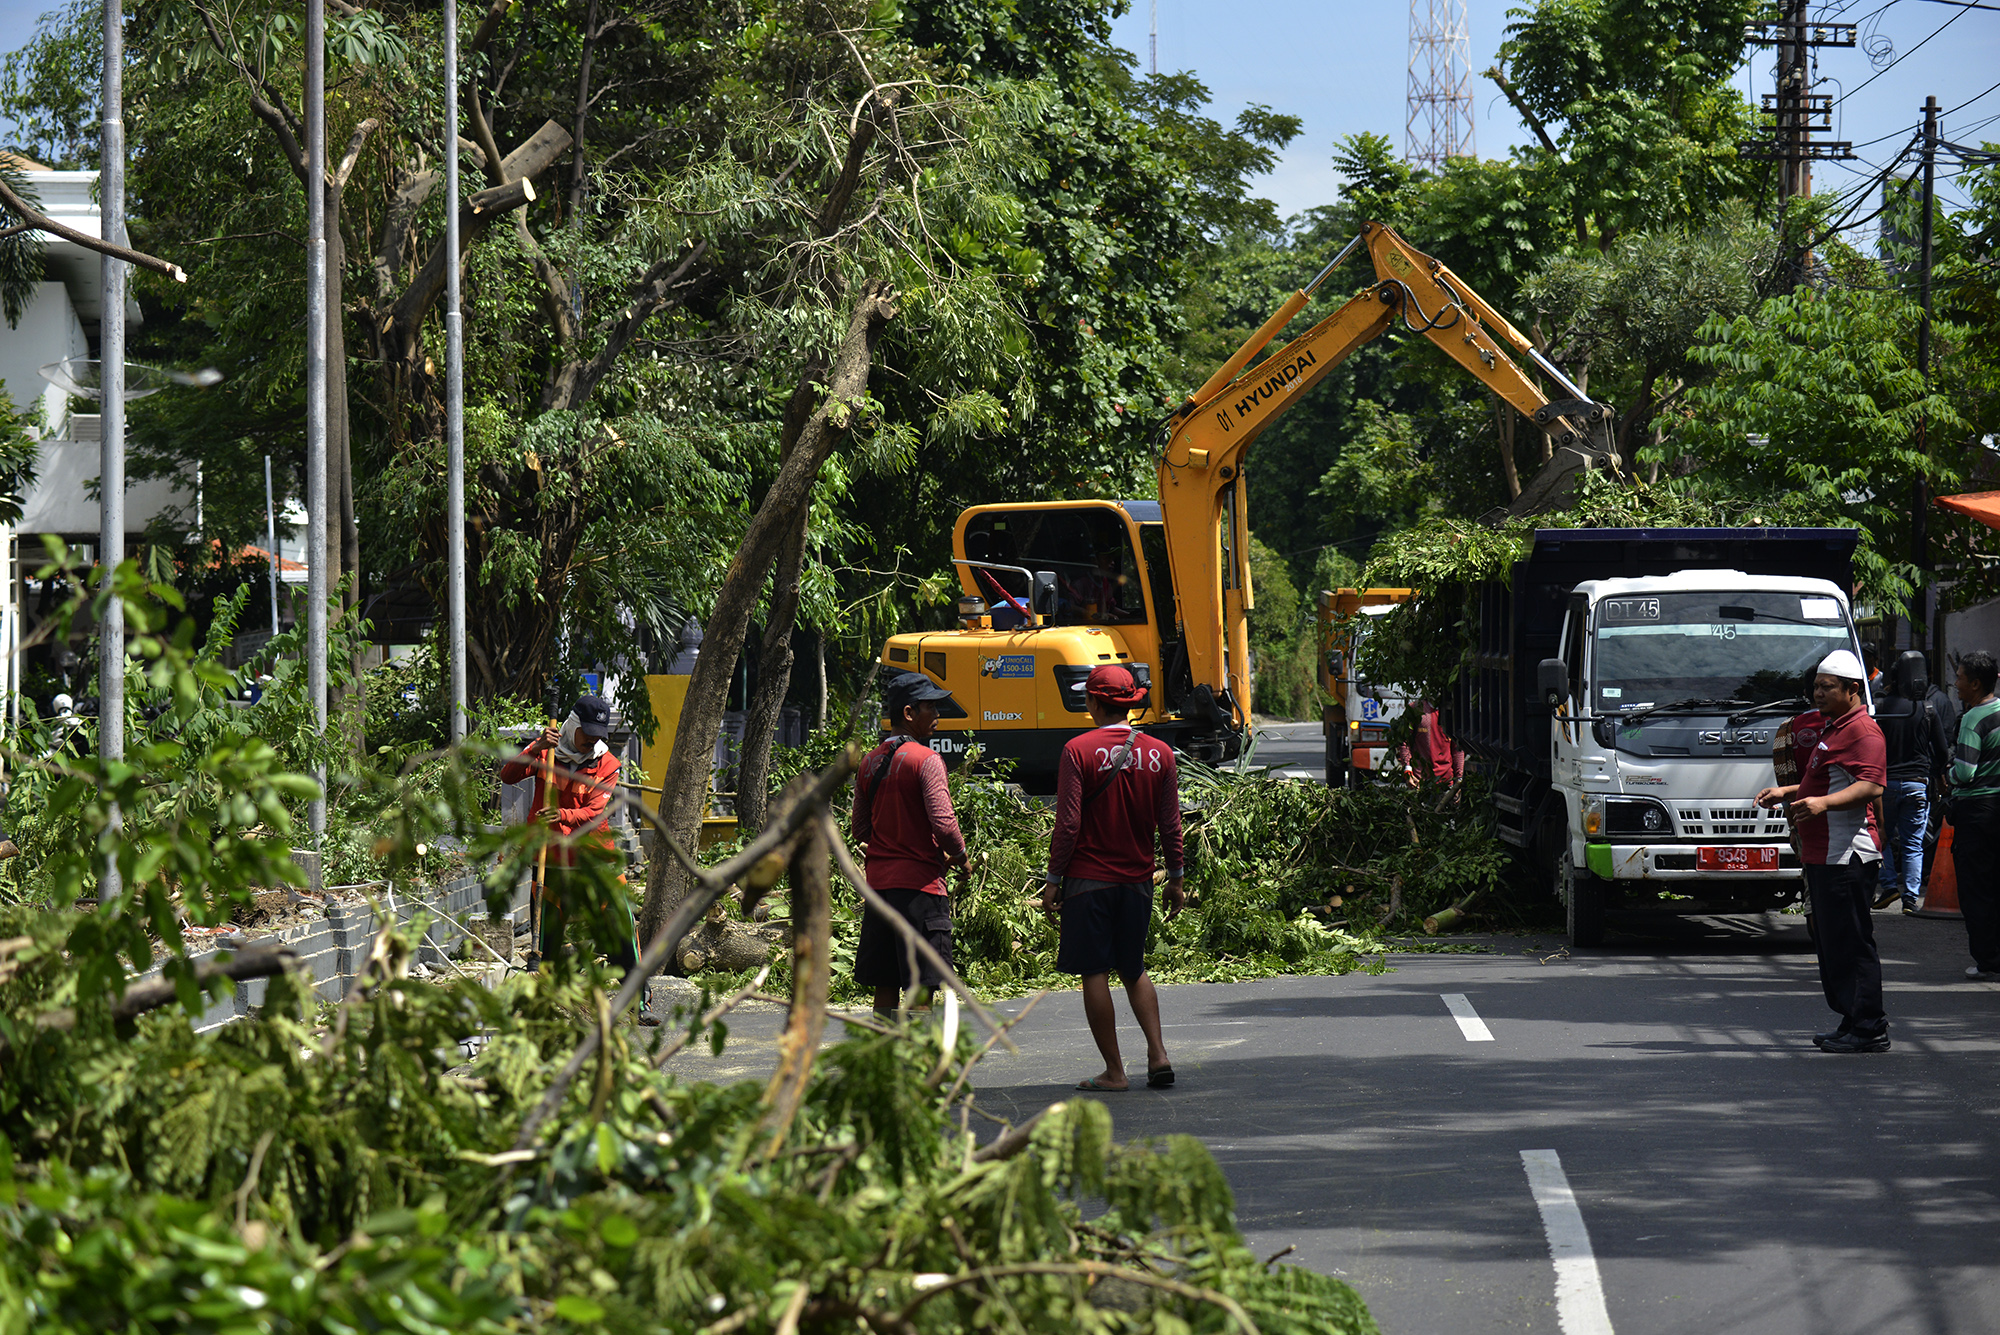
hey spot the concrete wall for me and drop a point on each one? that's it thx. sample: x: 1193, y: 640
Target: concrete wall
x: 1974, y: 627
x: 333, y: 949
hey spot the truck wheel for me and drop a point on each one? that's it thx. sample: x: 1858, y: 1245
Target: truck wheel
x: 1583, y: 896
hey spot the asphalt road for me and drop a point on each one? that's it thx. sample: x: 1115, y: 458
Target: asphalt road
x: 1730, y: 1177
x: 1295, y: 750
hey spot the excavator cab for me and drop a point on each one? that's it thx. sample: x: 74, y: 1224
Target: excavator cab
x: 1051, y: 590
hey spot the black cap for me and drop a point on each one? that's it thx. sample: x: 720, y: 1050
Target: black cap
x: 910, y: 688
x: 593, y: 716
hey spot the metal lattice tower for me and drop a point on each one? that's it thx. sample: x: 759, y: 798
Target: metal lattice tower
x: 1440, y: 117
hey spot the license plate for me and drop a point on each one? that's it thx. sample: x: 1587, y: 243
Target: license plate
x: 1736, y: 859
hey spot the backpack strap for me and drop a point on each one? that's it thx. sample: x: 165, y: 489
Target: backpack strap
x: 875, y: 778
x: 1118, y: 759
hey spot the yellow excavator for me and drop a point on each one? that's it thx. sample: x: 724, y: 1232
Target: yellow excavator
x: 1052, y: 589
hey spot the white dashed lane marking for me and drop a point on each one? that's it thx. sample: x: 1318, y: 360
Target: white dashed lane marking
x: 1469, y: 1023
x: 1580, y: 1306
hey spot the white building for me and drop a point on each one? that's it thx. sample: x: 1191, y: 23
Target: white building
x: 61, y: 322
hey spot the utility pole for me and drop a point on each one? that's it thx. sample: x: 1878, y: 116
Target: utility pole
x: 454, y: 389
x: 1153, y: 39
x: 1920, y: 503
x: 1797, y: 113
x: 111, y: 425
x: 316, y: 317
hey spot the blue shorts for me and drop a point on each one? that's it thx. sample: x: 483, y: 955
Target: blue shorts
x: 1104, y: 927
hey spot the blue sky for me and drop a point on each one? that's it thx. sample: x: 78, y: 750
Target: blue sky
x: 1343, y: 67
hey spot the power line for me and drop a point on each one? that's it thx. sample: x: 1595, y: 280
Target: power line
x: 1904, y: 56
x: 1893, y: 133
x: 1970, y: 100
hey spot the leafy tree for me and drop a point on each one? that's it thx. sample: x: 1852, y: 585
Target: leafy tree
x: 1281, y: 638
x: 18, y: 457
x: 1818, y: 395
x: 1638, y: 308
x: 1632, y: 108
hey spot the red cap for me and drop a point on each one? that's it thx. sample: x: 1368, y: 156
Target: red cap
x: 1115, y: 684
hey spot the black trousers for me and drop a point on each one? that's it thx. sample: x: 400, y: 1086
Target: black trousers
x: 1975, y: 856
x: 1850, y: 969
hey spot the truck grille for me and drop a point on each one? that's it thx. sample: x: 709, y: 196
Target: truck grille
x: 1711, y: 820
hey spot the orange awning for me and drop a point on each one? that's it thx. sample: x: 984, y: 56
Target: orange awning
x: 1981, y: 505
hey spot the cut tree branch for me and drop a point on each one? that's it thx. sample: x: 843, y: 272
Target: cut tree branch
x: 255, y: 961
x: 1095, y: 1270
x: 353, y: 153
x: 478, y: 213
x: 42, y: 222
x: 1513, y: 95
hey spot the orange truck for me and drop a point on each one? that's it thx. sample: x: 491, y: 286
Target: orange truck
x: 1357, y: 712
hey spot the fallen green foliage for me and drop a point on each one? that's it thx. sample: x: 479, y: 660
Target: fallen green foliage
x: 300, y: 1172
x: 1422, y: 643
x: 384, y: 1164
x: 1283, y: 878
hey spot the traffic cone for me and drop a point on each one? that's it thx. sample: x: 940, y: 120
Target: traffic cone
x: 1941, y: 891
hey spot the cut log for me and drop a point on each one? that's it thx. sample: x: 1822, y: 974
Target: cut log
x: 730, y: 947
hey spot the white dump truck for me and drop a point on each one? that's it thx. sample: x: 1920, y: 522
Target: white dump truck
x: 1624, y: 694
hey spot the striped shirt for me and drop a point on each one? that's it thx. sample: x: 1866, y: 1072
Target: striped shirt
x: 1975, y: 761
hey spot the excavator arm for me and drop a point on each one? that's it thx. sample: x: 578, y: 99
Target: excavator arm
x: 1203, y: 498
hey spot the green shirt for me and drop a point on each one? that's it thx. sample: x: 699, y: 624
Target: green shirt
x: 1975, y: 761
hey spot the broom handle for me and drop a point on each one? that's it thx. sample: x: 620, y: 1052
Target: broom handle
x: 542, y: 854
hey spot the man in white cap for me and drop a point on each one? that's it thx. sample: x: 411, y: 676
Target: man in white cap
x: 1838, y: 847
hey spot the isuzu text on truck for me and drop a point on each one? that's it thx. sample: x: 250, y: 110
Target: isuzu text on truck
x: 1624, y: 692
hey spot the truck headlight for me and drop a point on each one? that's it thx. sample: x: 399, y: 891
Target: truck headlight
x: 1640, y: 816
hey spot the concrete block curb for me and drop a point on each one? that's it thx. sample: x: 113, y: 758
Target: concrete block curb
x: 331, y: 949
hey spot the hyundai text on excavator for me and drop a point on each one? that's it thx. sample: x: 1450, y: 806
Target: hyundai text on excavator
x: 1054, y: 588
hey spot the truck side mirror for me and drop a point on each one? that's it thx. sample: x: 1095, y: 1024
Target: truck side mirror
x: 1044, y: 595
x: 1552, y: 681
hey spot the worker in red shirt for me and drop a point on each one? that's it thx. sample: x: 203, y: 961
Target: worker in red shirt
x: 1840, y: 849
x: 909, y: 836
x: 575, y: 758
x: 1116, y: 788
x: 1435, y: 756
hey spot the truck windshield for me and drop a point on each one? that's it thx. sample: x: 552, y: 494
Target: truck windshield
x: 1753, y: 647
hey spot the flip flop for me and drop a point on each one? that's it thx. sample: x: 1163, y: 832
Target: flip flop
x: 1095, y: 1088
x: 1160, y: 1079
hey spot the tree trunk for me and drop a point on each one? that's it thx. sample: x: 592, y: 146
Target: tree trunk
x: 806, y: 441
x: 774, y: 676
x: 819, y: 654
x: 812, y: 968
x: 1503, y: 414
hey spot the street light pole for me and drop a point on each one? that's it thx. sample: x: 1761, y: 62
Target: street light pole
x: 454, y: 392
x: 271, y: 541
x: 111, y: 429
x: 316, y: 318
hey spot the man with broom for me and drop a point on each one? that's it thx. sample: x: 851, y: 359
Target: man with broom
x: 576, y: 773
